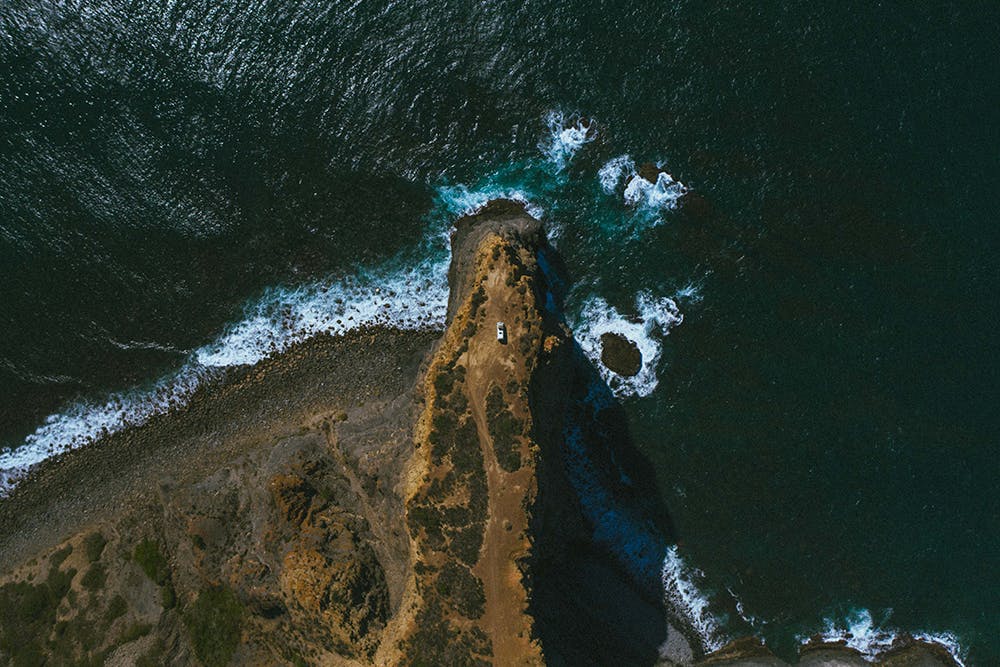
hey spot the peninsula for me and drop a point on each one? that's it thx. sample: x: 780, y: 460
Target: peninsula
x: 379, y: 498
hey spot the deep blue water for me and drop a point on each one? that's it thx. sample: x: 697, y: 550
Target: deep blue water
x: 822, y: 422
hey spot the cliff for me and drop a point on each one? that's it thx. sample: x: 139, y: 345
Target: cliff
x: 379, y: 499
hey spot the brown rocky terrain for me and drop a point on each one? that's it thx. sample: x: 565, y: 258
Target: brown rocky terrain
x: 380, y: 498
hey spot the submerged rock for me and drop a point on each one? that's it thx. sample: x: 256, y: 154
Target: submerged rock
x: 649, y: 171
x: 620, y: 354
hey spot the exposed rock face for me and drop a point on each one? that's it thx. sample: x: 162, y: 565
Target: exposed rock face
x: 620, y: 354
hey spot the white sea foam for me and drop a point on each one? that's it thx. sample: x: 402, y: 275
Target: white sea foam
x: 664, y: 194
x: 618, y: 527
x: 86, y: 421
x: 946, y: 640
x: 405, y: 292
x: 614, y: 172
x: 860, y: 632
x: 648, y: 200
x: 690, y: 293
x: 656, y: 316
x: 566, y: 135
x: 411, y: 298
x: 684, y: 596
x: 458, y: 200
x: 741, y: 611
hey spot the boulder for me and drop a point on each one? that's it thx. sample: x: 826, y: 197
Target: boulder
x: 620, y: 354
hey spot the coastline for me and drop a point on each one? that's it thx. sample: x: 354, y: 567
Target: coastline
x: 224, y: 419
x: 351, y: 408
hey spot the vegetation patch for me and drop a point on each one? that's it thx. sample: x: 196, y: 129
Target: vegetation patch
x: 59, y: 582
x: 28, y: 619
x: 152, y: 561
x: 464, y: 589
x: 466, y: 543
x: 94, y: 578
x: 215, y: 625
x: 465, y: 453
x: 93, y: 546
x: 116, y: 609
x: 437, y: 641
x: 61, y: 555
x: 505, y: 430
x: 478, y: 299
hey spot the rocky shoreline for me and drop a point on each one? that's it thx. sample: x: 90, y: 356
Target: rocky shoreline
x: 380, y: 498
x: 246, y: 408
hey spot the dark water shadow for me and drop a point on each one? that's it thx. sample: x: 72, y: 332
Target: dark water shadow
x: 601, y: 529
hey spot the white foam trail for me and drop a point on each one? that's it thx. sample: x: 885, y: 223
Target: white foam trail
x: 662, y: 195
x: 690, y: 292
x: 861, y: 633
x: 625, y: 532
x: 566, y: 135
x: 410, y: 298
x: 946, y: 640
x: 597, y: 318
x: 749, y: 619
x: 614, y: 172
x: 648, y: 200
x: 86, y: 421
x: 683, y: 595
x: 459, y: 200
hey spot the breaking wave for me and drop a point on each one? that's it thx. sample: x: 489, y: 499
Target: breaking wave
x: 566, y: 135
x: 411, y: 298
x: 686, y: 598
x: 86, y: 421
x: 656, y: 316
x: 859, y: 631
x: 647, y: 199
x: 639, y: 546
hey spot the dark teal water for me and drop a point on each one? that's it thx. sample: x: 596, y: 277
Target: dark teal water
x: 823, y: 421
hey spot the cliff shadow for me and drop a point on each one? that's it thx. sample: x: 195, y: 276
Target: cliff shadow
x: 601, y: 529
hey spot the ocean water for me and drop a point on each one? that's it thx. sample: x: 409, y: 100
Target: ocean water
x: 812, y: 279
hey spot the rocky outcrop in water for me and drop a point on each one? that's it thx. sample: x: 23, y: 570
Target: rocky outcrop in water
x: 620, y: 354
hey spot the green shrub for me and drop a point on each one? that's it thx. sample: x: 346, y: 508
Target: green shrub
x: 466, y: 543
x: 443, y: 382
x: 26, y: 613
x: 59, y: 556
x: 152, y: 561
x: 116, y: 609
x: 465, y: 453
x: 215, y: 624
x: 93, y: 546
x: 477, y: 300
x: 505, y: 430
x: 59, y: 582
x: 457, y: 583
x: 168, y: 598
x: 94, y: 578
